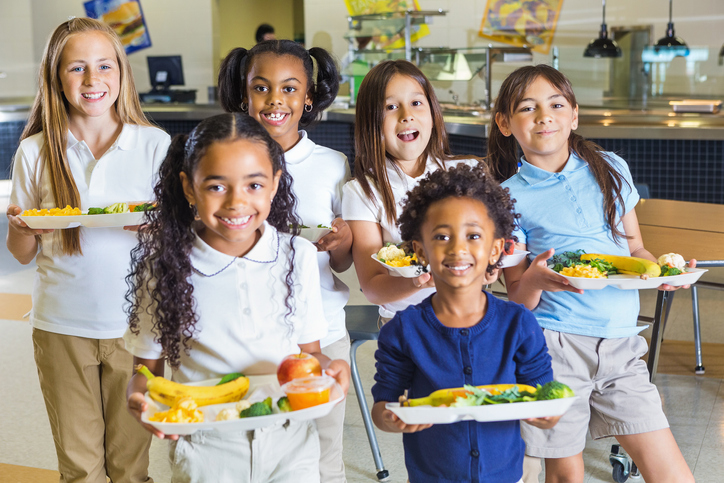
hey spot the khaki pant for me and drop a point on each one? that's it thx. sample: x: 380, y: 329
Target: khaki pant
x: 330, y: 427
x: 84, y: 386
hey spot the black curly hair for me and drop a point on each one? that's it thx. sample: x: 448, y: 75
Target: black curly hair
x: 159, y: 281
x: 322, y: 89
x: 460, y: 181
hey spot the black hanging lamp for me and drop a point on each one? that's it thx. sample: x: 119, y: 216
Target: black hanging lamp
x: 670, y: 41
x: 602, y: 46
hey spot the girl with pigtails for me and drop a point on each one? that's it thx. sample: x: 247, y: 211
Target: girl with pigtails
x: 219, y: 283
x: 275, y: 83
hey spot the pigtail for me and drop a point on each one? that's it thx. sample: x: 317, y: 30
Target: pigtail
x: 502, y: 157
x: 325, y: 87
x: 608, y: 178
x: 160, y: 263
x: 232, y: 80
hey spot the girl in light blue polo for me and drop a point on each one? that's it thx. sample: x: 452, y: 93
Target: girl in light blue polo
x: 573, y: 195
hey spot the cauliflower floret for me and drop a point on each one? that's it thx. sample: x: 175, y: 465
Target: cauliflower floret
x: 673, y: 260
x: 243, y: 404
x: 227, y: 414
x: 390, y: 252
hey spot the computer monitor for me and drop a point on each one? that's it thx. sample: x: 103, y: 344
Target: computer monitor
x: 165, y: 71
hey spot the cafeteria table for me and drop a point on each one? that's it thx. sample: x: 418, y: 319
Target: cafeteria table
x: 694, y: 230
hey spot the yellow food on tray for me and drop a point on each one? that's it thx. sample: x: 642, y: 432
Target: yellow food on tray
x: 184, y: 410
x: 67, y: 211
x: 584, y: 271
x: 396, y: 257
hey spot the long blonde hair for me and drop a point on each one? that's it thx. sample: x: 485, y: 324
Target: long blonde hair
x: 49, y: 114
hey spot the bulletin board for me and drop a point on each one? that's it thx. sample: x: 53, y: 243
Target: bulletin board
x: 125, y: 17
x: 522, y: 23
x: 364, y: 7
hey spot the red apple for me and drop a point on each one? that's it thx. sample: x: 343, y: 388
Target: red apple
x: 299, y: 365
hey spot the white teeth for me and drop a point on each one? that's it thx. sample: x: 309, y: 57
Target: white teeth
x: 236, y: 221
x: 459, y: 268
x: 275, y: 116
x: 94, y: 96
x: 409, y: 131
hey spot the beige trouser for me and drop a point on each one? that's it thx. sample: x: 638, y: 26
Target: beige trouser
x: 84, y: 386
x: 330, y: 427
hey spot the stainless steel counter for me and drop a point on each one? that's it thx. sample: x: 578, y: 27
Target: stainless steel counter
x: 595, y: 123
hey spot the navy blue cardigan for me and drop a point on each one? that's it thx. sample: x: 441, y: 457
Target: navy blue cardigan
x: 417, y: 352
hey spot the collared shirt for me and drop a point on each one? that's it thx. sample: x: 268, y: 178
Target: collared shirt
x: 83, y: 295
x: 565, y: 211
x: 319, y: 174
x: 243, y: 324
x: 357, y: 206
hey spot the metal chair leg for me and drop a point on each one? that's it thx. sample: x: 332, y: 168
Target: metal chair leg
x: 382, y: 473
x: 699, y: 369
x: 657, y: 331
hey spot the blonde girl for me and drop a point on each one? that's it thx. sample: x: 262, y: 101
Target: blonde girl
x: 87, y: 143
x: 399, y: 137
x: 572, y: 195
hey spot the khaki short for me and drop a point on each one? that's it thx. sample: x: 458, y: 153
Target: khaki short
x: 615, y: 396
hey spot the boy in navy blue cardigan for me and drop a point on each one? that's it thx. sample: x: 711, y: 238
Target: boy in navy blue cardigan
x: 458, y: 221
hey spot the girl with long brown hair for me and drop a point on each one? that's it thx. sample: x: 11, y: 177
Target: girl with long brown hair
x: 87, y: 144
x: 399, y: 137
x: 572, y: 195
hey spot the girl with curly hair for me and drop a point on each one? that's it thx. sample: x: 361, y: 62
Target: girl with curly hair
x: 458, y: 221
x: 219, y: 283
x: 275, y: 83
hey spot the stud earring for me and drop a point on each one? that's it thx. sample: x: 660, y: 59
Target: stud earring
x: 307, y: 108
x: 194, y: 211
x: 244, y: 106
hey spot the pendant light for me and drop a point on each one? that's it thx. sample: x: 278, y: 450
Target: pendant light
x: 670, y: 41
x: 602, y: 46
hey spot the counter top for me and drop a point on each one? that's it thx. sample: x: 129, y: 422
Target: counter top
x: 594, y: 123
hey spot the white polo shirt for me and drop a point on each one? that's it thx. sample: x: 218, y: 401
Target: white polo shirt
x: 319, y: 174
x: 83, y: 295
x: 356, y: 206
x: 240, y: 303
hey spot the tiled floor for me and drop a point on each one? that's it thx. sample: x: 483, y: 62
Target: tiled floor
x: 694, y: 405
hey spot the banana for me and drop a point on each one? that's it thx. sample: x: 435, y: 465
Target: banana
x: 639, y: 266
x: 167, y: 392
x: 448, y: 396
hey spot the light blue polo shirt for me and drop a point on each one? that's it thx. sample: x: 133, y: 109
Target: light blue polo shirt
x: 565, y: 211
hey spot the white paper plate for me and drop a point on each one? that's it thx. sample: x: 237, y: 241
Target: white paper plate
x: 514, y: 259
x: 89, y: 221
x: 314, y: 234
x: 411, y: 271
x: 260, y: 387
x: 634, y: 282
x: 488, y: 413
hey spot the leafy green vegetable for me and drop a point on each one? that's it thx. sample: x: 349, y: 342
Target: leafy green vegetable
x: 144, y: 207
x: 229, y: 378
x: 96, y: 211
x: 667, y: 271
x: 324, y: 226
x: 554, y: 390
x: 570, y: 259
x: 480, y: 397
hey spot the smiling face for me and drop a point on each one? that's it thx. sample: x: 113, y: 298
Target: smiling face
x: 233, y: 187
x: 541, y: 123
x: 89, y: 74
x: 407, y: 122
x: 458, y: 241
x: 276, y: 91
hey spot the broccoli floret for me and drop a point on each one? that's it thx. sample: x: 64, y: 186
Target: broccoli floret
x: 283, y: 404
x: 554, y: 390
x: 96, y: 211
x: 256, y: 409
x: 144, y: 207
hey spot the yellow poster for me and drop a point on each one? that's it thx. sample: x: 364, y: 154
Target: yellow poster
x: 396, y: 41
x: 522, y: 23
